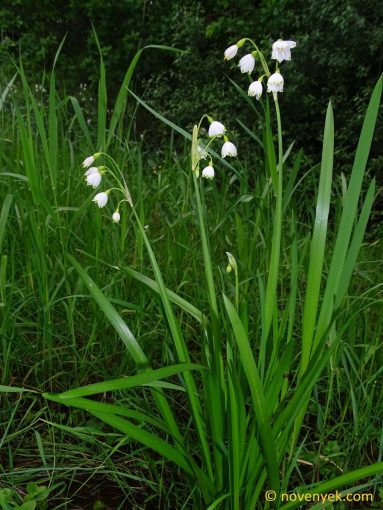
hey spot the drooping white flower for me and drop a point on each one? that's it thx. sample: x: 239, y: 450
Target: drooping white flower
x: 101, y: 199
x: 231, y: 52
x: 255, y: 89
x: 91, y: 170
x: 93, y: 177
x: 275, y: 83
x: 208, y: 172
x: 228, y: 149
x: 282, y: 50
x: 216, y: 129
x: 90, y: 160
x: 247, y: 63
x: 116, y: 217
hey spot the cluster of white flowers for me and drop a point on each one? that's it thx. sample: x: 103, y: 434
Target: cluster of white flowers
x: 216, y: 130
x: 281, y: 51
x: 93, y: 176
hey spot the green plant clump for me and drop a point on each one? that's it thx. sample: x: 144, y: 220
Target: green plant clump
x: 208, y: 337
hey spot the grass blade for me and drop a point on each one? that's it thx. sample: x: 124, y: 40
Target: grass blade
x: 318, y: 241
x: 349, y: 212
x: 260, y: 404
x: 125, y: 383
x: 114, y: 318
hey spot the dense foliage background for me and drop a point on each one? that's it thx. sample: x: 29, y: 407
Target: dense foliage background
x: 339, y: 55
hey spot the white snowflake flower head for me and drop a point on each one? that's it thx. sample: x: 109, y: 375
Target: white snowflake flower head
x: 216, y: 128
x: 282, y: 50
x: 229, y: 149
x: 275, y: 83
x: 93, y: 177
x: 208, y: 172
x: 231, y: 52
x: 255, y: 89
x: 101, y: 199
x: 91, y: 170
x: 247, y: 63
x: 116, y: 217
x: 90, y: 160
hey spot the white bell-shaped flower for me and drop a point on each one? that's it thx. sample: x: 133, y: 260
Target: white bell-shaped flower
x: 275, y: 83
x: 91, y: 170
x: 247, y: 63
x: 116, y: 217
x: 216, y: 128
x: 101, y: 199
x: 255, y: 89
x: 282, y: 50
x: 88, y: 161
x: 231, y: 52
x: 208, y: 172
x: 93, y: 177
x: 228, y: 149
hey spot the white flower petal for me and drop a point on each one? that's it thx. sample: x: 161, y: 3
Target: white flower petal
x: 208, y: 172
x: 216, y: 129
x: 231, y: 52
x: 93, y: 179
x: 116, y: 217
x: 101, y: 199
x: 91, y: 170
x: 228, y: 149
x: 88, y: 161
x: 275, y: 83
x: 255, y: 89
x: 282, y: 50
x: 247, y: 63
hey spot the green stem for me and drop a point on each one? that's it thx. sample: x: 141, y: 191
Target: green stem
x: 207, y: 265
x: 272, y: 283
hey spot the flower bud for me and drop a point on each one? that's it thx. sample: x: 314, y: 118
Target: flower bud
x: 116, y: 217
x: 231, y: 52
x: 90, y: 160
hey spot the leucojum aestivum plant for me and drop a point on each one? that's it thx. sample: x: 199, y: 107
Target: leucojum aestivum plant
x: 239, y: 443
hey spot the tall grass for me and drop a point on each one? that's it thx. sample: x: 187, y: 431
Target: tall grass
x: 225, y: 367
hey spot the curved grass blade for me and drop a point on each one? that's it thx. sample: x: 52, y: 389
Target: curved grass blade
x: 4, y: 217
x: 175, y: 298
x: 318, y: 241
x: 115, y: 319
x: 152, y: 441
x: 133, y: 381
x: 121, y: 97
x: 339, y: 481
x: 349, y: 212
x: 89, y: 405
x: 182, y: 351
x: 355, y: 244
x: 260, y: 404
